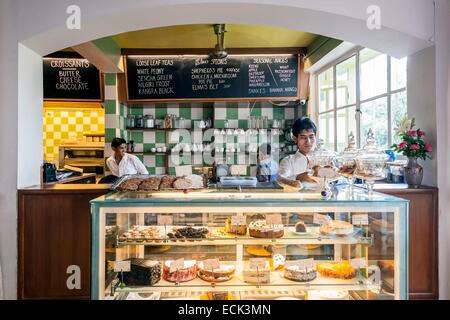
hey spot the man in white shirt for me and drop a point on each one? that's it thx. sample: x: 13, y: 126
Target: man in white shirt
x: 122, y: 163
x: 293, y: 167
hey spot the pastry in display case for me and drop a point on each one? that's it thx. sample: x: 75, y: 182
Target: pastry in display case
x: 143, y: 272
x: 238, y: 229
x: 211, y: 246
x: 300, y: 226
x: 336, y: 227
x: 223, y: 273
x: 186, y: 272
x: 338, y: 270
x: 277, y: 262
x: 158, y: 182
x: 262, y: 229
x: 298, y: 273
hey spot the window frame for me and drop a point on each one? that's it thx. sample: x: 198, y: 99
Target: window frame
x: 355, y: 52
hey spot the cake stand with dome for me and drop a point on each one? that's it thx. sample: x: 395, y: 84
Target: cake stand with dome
x: 347, y: 161
x: 321, y: 165
x: 371, y: 163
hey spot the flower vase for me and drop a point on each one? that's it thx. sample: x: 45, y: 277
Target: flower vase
x: 413, y: 173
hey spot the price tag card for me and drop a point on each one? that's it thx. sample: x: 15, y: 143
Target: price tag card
x: 360, y: 219
x: 177, y: 265
x: 320, y: 218
x: 306, y: 263
x: 238, y: 220
x: 165, y: 220
x: 273, y: 218
x: 211, y: 264
x: 122, y: 266
x: 358, y: 263
x: 257, y: 263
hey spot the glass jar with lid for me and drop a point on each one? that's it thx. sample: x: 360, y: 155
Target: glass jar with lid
x: 149, y: 121
x: 131, y: 121
x: 371, y: 162
x: 347, y: 161
x: 321, y: 157
x: 321, y: 165
x: 139, y: 121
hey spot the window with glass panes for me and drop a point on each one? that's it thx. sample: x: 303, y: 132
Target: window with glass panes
x: 366, y: 89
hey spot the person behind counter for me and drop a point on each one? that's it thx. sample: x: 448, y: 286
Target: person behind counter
x: 294, y: 167
x: 267, y: 168
x: 122, y: 163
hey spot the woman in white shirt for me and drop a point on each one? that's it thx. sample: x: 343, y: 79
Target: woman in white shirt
x: 293, y: 167
x: 122, y: 163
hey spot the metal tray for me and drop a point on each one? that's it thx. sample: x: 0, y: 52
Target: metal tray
x: 238, y: 181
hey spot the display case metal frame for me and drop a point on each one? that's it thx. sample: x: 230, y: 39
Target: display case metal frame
x: 225, y: 202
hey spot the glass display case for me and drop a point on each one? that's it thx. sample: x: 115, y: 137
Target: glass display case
x: 210, y: 244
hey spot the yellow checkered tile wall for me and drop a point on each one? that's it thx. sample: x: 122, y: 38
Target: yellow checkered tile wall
x: 60, y: 125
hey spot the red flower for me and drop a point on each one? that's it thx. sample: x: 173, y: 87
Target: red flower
x: 421, y: 133
x: 402, y: 145
x: 414, y: 146
x: 428, y: 147
x: 411, y: 132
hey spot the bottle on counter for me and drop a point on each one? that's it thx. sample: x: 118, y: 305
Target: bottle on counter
x: 172, y: 121
x: 167, y: 122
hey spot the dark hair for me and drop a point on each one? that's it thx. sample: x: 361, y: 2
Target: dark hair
x: 116, y: 142
x: 301, y: 124
x: 265, y: 148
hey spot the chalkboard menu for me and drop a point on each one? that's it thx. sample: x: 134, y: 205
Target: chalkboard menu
x: 203, y: 78
x: 68, y: 79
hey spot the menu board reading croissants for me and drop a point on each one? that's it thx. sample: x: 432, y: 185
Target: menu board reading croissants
x: 201, y: 77
x: 71, y: 79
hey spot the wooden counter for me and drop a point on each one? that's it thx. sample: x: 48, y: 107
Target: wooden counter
x: 55, y: 228
x: 54, y: 232
x: 423, y: 239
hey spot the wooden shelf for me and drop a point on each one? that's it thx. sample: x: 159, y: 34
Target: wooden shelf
x: 150, y: 153
x: 197, y: 152
x: 204, y: 129
x: 164, y: 129
x: 237, y: 283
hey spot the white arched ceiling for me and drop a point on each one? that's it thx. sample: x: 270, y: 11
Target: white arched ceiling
x: 42, y: 23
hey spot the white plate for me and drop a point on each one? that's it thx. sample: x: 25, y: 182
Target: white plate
x: 349, y: 234
x: 310, y: 231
